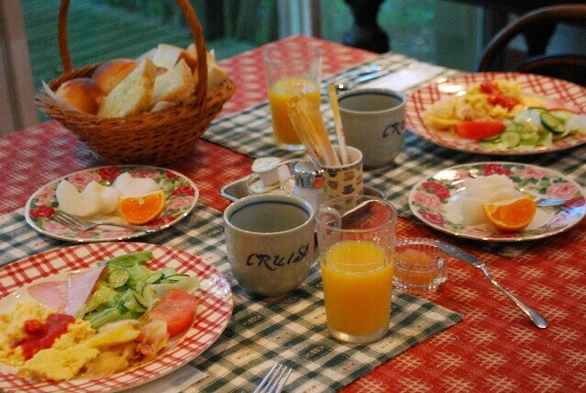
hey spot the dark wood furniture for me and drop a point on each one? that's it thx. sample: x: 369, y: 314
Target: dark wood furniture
x: 366, y: 33
x: 568, y: 66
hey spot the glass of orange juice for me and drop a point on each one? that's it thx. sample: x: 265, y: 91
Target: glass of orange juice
x: 293, y: 71
x: 356, y: 239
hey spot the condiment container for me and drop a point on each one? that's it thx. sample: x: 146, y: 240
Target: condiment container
x: 269, y: 176
x: 309, y: 183
x: 420, y: 266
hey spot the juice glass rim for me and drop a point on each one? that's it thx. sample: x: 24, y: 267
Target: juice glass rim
x: 319, y: 216
x: 291, y: 48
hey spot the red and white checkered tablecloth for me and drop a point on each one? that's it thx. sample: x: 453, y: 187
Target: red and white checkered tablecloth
x: 494, y: 349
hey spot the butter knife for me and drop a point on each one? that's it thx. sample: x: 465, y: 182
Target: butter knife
x: 462, y: 255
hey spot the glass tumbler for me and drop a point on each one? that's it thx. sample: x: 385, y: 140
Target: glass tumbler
x: 356, y: 238
x: 293, y: 72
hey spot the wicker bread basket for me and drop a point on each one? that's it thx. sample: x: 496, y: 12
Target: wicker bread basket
x: 155, y: 138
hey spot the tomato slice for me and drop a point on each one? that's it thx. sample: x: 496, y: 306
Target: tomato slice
x: 177, y: 308
x: 479, y: 129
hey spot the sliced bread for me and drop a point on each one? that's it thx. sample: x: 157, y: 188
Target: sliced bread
x: 167, y: 56
x: 175, y: 85
x: 132, y: 95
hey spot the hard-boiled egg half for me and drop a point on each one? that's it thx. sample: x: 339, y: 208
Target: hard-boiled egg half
x: 99, y: 199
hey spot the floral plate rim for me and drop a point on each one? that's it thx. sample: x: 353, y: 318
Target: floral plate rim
x: 430, y: 198
x: 181, y: 200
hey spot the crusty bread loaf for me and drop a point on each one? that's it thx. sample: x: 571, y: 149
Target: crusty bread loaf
x: 174, y: 85
x: 110, y: 73
x: 82, y: 93
x: 132, y: 95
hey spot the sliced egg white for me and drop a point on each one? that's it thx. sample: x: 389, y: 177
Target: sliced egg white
x: 134, y: 186
x: 108, y: 195
x: 82, y: 204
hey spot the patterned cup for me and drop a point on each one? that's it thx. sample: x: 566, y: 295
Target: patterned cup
x: 341, y: 180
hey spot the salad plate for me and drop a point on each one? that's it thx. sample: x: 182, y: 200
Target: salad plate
x: 213, y: 314
x: 436, y: 200
x: 181, y: 196
x: 558, y: 93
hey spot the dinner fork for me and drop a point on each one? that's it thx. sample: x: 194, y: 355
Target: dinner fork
x: 274, y: 380
x: 76, y: 224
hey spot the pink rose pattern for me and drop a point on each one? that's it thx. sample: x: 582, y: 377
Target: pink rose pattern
x: 430, y: 197
x: 181, y: 196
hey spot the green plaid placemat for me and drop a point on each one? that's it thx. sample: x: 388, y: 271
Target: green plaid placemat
x: 262, y: 331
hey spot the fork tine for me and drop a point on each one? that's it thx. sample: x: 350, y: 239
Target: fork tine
x: 65, y: 219
x: 69, y: 218
x: 274, y: 380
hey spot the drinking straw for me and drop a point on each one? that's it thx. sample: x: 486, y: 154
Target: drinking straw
x: 344, y: 157
x: 302, y: 128
x: 318, y: 131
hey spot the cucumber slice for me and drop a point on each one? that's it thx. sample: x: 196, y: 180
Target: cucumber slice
x: 511, y: 138
x: 118, y: 277
x: 552, y: 123
x: 530, y: 138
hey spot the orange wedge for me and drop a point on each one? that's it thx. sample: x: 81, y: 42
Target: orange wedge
x: 511, y: 216
x: 142, y: 209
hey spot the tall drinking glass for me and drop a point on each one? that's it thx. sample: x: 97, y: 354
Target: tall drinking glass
x: 356, y: 238
x: 292, y: 71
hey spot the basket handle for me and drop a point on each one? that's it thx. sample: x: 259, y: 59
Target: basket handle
x: 194, y: 26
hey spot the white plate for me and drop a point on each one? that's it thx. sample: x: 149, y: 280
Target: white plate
x: 180, y: 192
x: 569, y: 95
x: 436, y: 201
x: 214, y: 310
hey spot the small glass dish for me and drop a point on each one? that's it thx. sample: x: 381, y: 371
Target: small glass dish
x: 420, y: 266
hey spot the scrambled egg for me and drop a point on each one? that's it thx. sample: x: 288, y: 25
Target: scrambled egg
x: 11, y: 330
x: 80, y: 352
x: 62, y: 361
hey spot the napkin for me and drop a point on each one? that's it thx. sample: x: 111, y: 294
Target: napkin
x: 174, y: 382
x: 406, y: 78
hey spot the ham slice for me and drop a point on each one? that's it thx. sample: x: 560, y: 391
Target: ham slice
x: 69, y: 295
x: 51, y: 293
x: 79, y: 288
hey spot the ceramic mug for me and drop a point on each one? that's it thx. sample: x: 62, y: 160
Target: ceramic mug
x: 270, y: 242
x: 374, y: 122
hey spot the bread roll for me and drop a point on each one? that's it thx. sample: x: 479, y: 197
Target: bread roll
x: 82, y: 93
x: 132, y: 95
x: 110, y: 73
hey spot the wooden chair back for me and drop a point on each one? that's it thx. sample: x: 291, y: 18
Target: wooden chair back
x: 568, y: 66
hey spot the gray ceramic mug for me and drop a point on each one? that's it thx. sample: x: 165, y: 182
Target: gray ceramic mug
x: 270, y: 242
x: 374, y: 122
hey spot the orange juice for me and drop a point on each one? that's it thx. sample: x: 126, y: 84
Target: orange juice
x: 357, y: 281
x: 280, y: 94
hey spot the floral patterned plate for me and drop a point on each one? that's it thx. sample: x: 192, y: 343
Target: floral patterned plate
x: 563, y: 93
x: 437, y: 201
x: 181, y: 197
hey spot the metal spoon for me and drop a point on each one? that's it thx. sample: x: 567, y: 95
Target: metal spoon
x: 462, y: 255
